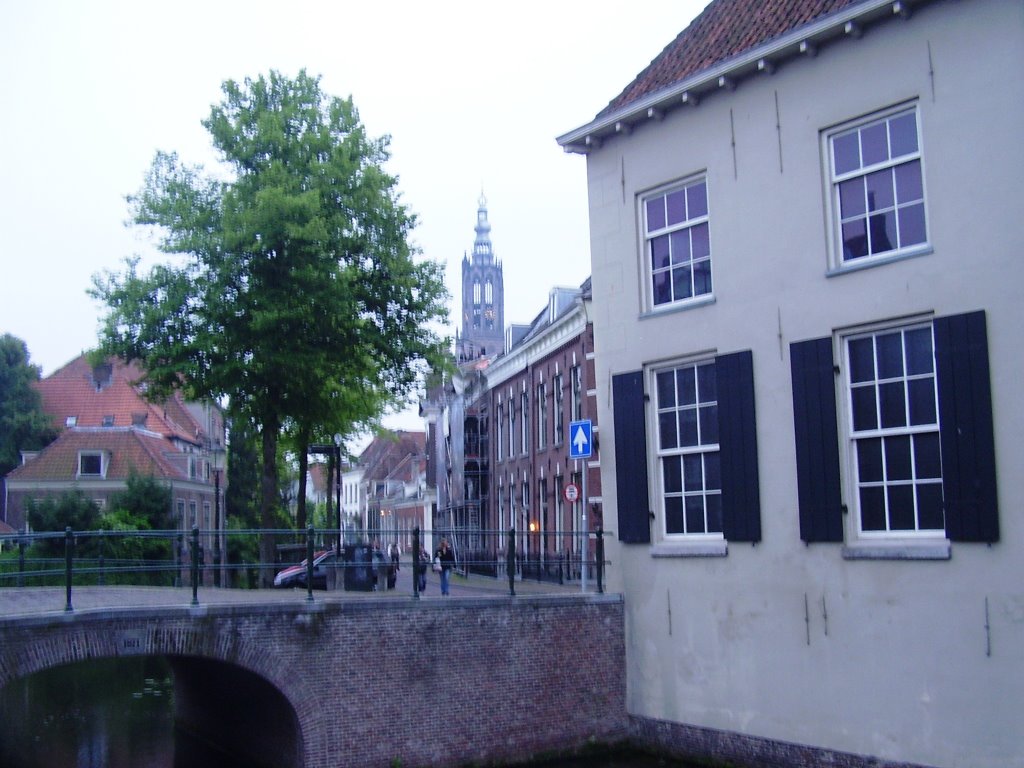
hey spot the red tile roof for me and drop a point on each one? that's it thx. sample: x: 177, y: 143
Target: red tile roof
x: 128, y: 449
x: 73, y: 392
x: 724, y: 29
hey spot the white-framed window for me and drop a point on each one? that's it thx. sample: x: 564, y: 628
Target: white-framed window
x: 500, y: 424
x: 92, y: 464
x: 689, y: 478
x: 511, y: 428
x: 677, y: 243
x: 542, y: 416
x: 876, y: 185
x: 488, y: 292
x: 476, y: 291
x: 559, y: 398
x: 575, y: 394
x: 559, y: 513
x: 892, y: 425
x: 524, y: 408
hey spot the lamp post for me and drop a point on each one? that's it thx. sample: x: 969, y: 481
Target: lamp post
x: 220, y: 540
x: 337, y: 485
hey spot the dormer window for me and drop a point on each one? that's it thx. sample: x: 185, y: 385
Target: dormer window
x: 71, y: 421
x: 91, y: 464
x: 108, y: 420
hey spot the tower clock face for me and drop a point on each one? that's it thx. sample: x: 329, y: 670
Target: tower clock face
x: 489, y: 314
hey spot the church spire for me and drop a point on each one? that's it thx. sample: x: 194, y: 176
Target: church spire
x: 482, y: 252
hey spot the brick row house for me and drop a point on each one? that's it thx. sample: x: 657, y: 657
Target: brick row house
x: 108, y: 430
x: 806, y: 237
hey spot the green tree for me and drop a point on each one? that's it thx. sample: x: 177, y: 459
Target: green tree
x: 299, y: 297
x: 23, y: 425
x: 55, y: 513
x: 143, y: 505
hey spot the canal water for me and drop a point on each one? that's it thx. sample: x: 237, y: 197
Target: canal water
x: 118, y: 713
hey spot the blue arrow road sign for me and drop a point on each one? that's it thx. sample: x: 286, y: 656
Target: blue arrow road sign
x: 580, y: 439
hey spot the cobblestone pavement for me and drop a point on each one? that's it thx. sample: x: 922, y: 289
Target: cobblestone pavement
x: 40, y: 600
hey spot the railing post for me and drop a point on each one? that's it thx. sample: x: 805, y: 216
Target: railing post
x: 69, y: 548
x: 510, y: 562
x: 600, y: 561
x: 180, y: 541
x: 21, y: 559
x: 100, y: 579
x: 309, y: 563
x: 195, y: 565
x: 416, y: 563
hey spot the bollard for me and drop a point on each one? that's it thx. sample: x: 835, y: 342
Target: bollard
x: 195, y: 565
x: 416, y: 563
x: 309, y: 564
x: 69, y: 548
x: 510, y: 562
x: 600, y: 561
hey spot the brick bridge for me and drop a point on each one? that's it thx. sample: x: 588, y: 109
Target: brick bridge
x: 374, y: 681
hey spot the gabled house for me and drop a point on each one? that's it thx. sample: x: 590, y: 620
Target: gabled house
x: 108, y: 431
x: 805, y: 236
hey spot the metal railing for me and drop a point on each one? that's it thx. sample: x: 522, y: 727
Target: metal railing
x: 231, y: 558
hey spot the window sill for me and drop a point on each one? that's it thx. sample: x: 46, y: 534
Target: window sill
x: 867, y: 262
x: 691, y: 549
x: 902, y: 550
x: 679, y: 306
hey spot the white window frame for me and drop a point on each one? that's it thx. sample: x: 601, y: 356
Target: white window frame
x: 708, y: 493
x: 542, y: 416
x: 101, y: 455
x: 900, y: 208
x: 575, y: 393
x: 671, y: 237
x: 559, y: 398
x: 852, y: 484
x: 524, y: 407
x: 500, y: 422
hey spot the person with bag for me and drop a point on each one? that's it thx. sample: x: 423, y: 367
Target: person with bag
x: 444, y: 561
x: 421, y: 569
x: 394, y: 567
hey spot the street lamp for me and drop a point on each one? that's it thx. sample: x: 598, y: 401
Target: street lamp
x: 337, y: 485
x: 220, y: 540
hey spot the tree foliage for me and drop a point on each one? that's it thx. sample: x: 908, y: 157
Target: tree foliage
x: 298, y: 296
x: 23, y: 424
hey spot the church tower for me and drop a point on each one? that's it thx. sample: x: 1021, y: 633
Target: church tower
x: 483, y: 296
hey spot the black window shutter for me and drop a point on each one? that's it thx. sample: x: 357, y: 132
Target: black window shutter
x: 817, y: 440
x: 631, y: 458
x: 737, y: 438
x: 965, y: 423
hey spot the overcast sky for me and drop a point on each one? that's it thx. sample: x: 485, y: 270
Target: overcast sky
x: 472, y: 94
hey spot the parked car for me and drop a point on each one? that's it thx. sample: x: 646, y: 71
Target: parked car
x: 295, y: 575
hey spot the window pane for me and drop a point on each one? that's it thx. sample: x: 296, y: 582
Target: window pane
x: 707, y: 383
x: 862, y: 360
x: 920, y: 359
x: 909, y: 188
x: 702, y: 278
x: 655, y: 214
x: 864, y: 413
x: 662, y: 288
x: 676, y: 202
x: 666, y: 389
x: 922, y: 401
x: 869, y: 460
x: 929, y: 507
x: 912, y: 225
x: 693, y: 474
x: 697, y: 200
x: 874, y: 144
x: 680, y: 246
x: 890, y: 355
x: 712, y: 472
x: 882, y: 228
x: 897, y: 458
x: 855, y: 239
x: 701, y: 242
x: 851, y: 198
x: 903, y: 134
x: 672, y: 475
x: 892, y: 405
x: 872, y: 509
x: 667, y: 430
x: 708, y: 424
x: 901, y: 507
x: 688, y: 427
x: 927, y: 463
x: 687, y: 385
x: 682, y: 287
x: 714, y: 510
x: 659, y: 252
x: 880, y: 190
x: 846, y: 152
x: 695, y: 514
x: 674, y: 515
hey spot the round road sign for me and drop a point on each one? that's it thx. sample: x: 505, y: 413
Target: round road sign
x: 571, y: 492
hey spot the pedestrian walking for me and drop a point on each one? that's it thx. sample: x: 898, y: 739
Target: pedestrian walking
x: 393, y: 567
x: 445, y: 558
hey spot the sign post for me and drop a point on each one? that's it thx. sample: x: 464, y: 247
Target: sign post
x: 581, y: 438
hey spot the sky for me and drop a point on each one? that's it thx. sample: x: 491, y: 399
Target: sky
x: 472, y: 95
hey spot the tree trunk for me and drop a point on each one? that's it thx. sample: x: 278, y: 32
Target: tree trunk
x: 300, y: 509
x: 268, y: 501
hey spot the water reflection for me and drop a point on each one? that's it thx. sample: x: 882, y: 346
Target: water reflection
x: 107, y: 713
